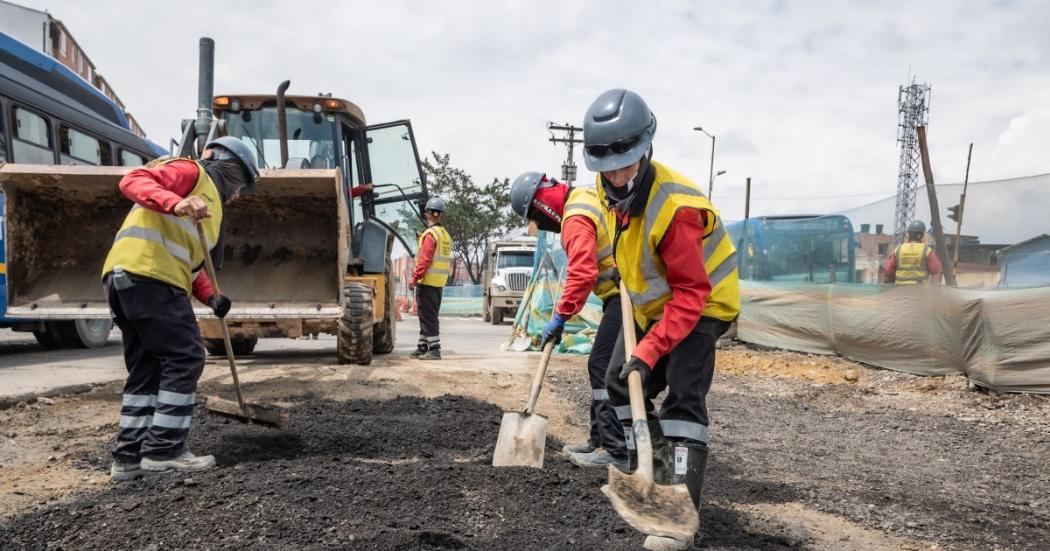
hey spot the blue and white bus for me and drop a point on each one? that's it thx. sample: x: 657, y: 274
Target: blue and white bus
x: 816, y: 249
x: 50, y: 115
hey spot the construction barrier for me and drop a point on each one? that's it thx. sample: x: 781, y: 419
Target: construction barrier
x: 998, y: 338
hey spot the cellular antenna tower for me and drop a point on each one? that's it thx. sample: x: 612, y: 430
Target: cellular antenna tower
x: 913, y: 110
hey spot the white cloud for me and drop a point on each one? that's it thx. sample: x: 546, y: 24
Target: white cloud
x: 801, y: 94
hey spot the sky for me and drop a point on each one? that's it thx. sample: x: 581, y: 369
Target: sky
x: 802, y: 95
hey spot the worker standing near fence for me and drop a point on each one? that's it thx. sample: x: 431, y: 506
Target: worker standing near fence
x: 679, y: 267
x: 153, y: 267
x: 913, y: 262
x: 433, y: 264
x: 577, y: 214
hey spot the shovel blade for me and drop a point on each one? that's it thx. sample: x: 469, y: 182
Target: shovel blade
x: 522, y: 439
x: 650, y: 508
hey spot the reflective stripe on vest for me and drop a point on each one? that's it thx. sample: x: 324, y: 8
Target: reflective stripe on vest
x: 911, y: 263
x: 166, y: 247
x: 644, y: 272
x: 584, y: 202
x: 440, y: 266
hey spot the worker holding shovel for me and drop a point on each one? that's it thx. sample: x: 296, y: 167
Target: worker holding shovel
x: 577, y: 214
x: 155, y: 263
x: 678, y: 266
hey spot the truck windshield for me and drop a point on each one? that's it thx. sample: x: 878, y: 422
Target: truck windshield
x: 521, y: 259
x: 310, y: 136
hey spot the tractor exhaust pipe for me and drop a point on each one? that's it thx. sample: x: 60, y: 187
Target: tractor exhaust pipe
x: 282, y: 121
x: 205, y: 91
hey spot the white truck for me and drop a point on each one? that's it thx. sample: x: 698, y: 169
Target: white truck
x: 508, y: 269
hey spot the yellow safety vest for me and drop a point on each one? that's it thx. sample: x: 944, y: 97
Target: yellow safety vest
x: 644, y: 272
x: 584, y: 202
x: 166, y: 247
x: 911, y: 263
x: 437, y: 273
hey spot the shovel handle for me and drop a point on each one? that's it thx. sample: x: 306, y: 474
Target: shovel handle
x: 639, y: 423
x: 209, y: 268
x: 537, y: 378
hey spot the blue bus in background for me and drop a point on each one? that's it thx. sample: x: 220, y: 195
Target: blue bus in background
x: 816, y: 249
x: 50, y: 115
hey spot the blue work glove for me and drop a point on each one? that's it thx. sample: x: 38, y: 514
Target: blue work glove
x: 553, y: 331
x: 643, y: 369
x: 220, y: 305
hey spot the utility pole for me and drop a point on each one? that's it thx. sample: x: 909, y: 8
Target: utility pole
x: 935, y: 211
x: 959, y: 213
x: 568, y: 170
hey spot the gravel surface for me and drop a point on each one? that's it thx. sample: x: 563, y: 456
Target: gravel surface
x: 923, y: 458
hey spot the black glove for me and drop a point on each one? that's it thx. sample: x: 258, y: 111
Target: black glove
x: 634, y: 364
x: 220, y: 305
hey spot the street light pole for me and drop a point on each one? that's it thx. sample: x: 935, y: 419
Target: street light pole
x: 711, y: 169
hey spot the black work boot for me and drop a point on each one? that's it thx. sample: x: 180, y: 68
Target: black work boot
x: 419, y: 351
x: 433, y: 354
x: 689, y: 461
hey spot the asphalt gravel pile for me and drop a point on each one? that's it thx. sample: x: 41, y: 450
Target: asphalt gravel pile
x: 408, y: 473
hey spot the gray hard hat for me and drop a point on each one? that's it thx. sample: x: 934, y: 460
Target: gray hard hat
x: 242, y: 152
x: 435, y: 203
x: 617, y: 130
x: 917, y: 226
x: 523, y: 190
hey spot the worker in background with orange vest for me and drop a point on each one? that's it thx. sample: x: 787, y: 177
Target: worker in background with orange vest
x: 433, y: 264
x: 678, y: 265
x: 913, y: 262
x: 577, y: 214
x: 153, y: 266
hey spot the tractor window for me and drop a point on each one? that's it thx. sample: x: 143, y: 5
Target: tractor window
x: 395, y: 171
x: 309, y: 136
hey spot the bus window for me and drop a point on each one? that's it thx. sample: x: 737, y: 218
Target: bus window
x: 128, y: 158
x: 3, y: 140
x: 78, y: 148
x: 31, y: 141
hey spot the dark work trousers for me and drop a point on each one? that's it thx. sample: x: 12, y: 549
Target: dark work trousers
x: 428, y: 304
x: 686, y: 373
x: 606, y: 430
x: 164, y: 356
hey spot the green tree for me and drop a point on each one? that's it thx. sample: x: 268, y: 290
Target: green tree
x: 474, y: 214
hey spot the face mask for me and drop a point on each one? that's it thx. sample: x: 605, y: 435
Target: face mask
x: 228, y: 175
x: 546, y: 218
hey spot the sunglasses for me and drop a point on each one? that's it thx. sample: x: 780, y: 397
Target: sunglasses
x: 619, y: 147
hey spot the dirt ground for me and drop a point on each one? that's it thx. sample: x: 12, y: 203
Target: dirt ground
x: 807, y: 452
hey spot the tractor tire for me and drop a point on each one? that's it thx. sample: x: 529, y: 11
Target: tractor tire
x: 47, y: 337
x: 385, y: 332
x: 241, y: 346
x: 485, y: 313
x: 354, y: 342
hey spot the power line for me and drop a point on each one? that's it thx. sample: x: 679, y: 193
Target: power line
x: 753, y: 198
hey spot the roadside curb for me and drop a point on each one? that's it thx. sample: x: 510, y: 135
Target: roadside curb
x: 8, y: 402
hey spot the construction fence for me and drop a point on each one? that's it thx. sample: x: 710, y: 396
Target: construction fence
x: 998, y: 338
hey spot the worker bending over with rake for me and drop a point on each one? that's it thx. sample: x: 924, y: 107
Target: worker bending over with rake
x: 577, y: 214
x: 679, y: 267
x: 155, y: 263
x: 429, y: 277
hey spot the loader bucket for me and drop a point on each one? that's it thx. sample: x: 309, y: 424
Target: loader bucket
x: 285, y: 252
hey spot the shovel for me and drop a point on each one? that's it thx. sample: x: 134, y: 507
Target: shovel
x: 240, y: 409
x: 648, y: 507
x: 523, y: 436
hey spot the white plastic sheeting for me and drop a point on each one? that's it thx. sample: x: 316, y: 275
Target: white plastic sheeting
x: 999, y: 338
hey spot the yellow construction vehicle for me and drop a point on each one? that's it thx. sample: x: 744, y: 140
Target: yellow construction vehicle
x: 302, y: 255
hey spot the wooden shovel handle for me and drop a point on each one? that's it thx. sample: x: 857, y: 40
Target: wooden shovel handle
x: 537, y: 378
x: 639, y: 423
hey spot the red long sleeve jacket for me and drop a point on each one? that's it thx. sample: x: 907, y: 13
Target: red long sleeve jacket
x: 160, y: 189
x: 933, y: 266
x: 424, y: 258
x: 682, y: 249
x: 579, y: 238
